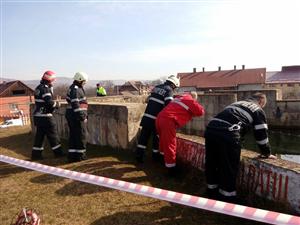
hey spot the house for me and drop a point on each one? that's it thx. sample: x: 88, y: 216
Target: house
x: 15, y: 98
x: 133, y: 88
x: 223, y: 79
x: 287, y: 80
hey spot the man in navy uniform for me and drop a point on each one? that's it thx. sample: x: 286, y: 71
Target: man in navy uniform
x: 76, y: 115
x: 160, y: 96
x: 43, y: 118
x: 223, y: 144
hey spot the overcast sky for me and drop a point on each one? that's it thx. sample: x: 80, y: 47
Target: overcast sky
x: 146, y: 39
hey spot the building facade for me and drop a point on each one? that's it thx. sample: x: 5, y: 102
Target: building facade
x: 15, y: 100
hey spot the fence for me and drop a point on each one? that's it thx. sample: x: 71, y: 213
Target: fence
x: 25, y: 118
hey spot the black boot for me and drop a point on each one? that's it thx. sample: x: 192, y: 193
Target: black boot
x: 230, y: 199
x: 72, y: 157
x: 157, y: 157
x: 58, y: 153
x: 83, y: 156
x: 36, y: 155
x: 213, y: 193
x: 139, y: 156
x: 76, y: 157
x: 174, y: 172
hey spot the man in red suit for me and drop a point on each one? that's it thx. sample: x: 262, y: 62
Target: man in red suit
x: 175, y: 115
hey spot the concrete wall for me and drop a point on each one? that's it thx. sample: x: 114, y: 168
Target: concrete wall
x: 213, y: 103
x: 123, y: 113
x: 271, y: 100
x: 277, y: 180
x: 120, y: 99
x: 286, y: 114
x: 115, y: 125
x: 289, y: 90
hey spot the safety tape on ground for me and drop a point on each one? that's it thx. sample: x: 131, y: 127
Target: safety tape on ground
x: 170, y: 196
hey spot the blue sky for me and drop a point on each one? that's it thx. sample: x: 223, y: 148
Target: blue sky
x: 146, y: 39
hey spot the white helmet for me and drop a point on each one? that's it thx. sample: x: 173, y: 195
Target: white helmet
x: 81, y: 76
x: 174, y: 80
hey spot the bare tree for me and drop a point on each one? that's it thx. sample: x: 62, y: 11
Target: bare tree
x: 60, y: 91
x: 90, y: 92
x: 156, y: 81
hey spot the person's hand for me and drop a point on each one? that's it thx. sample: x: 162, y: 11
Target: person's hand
x: 85, y: 120
x: 267, y: 157
x: 272, y: 157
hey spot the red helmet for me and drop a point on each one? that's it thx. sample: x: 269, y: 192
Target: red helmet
x: 27, y: 217
x: 49, y: 76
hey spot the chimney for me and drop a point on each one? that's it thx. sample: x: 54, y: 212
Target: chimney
x: 243, y: 67
x: 194, y: 70
x: 234, y: 67
x: 203, y: 69
x: 219, y: 68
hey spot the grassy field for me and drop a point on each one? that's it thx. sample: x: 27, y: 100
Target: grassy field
x: 61, y: 201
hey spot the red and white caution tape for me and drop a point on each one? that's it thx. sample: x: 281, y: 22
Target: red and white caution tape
x: 183, y: 199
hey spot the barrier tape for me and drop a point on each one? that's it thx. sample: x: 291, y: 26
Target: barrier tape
x: 170, y: 196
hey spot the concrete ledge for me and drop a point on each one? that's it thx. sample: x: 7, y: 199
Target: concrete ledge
x: 115, y: 125
x: 277, y: 180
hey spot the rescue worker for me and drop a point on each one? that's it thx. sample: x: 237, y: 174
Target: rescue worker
x: 101, y: 91
x: 223, y: 144
x: 160, y: 96
x: 43, y: 118
x: 76, y: 115
x: 175, y: 115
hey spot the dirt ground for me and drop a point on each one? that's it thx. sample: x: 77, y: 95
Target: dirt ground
x: 61, y: 201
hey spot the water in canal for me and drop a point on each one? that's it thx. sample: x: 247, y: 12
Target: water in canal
x: 285, y: 143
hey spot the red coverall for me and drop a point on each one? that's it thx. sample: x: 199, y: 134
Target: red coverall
x: 175, y: 115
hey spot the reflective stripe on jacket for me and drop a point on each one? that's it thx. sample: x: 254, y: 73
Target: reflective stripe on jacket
x: 77, y: 101
x: 182, y: 109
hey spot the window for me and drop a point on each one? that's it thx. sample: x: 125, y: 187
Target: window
x: 13, y: 106
x: 290, y: 85
x: 18, y: 92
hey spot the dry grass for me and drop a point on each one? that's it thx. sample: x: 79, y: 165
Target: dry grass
x: 66, y: 202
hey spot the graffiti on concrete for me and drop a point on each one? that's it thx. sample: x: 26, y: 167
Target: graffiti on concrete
x: 191, y: 153
x: 264, y: 181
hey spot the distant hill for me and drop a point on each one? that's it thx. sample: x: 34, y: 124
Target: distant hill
x: 2, y: 79
x: 63, y: 81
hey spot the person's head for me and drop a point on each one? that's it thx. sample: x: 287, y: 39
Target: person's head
x: 81, y: 78
x: 194, y: 95
x: 261, y: 98
x: 97, y: 85
x: 49, y: 77
x: 173, y: 81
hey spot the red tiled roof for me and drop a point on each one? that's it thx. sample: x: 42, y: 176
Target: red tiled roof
x: 288, y: 74
x: 223, y: 78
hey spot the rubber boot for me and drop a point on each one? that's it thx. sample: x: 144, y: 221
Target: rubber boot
x: 36, y: 155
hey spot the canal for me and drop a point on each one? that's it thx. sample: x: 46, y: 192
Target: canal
x: 284, y: 143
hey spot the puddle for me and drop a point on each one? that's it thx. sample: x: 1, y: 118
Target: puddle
x: 292, y: 158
